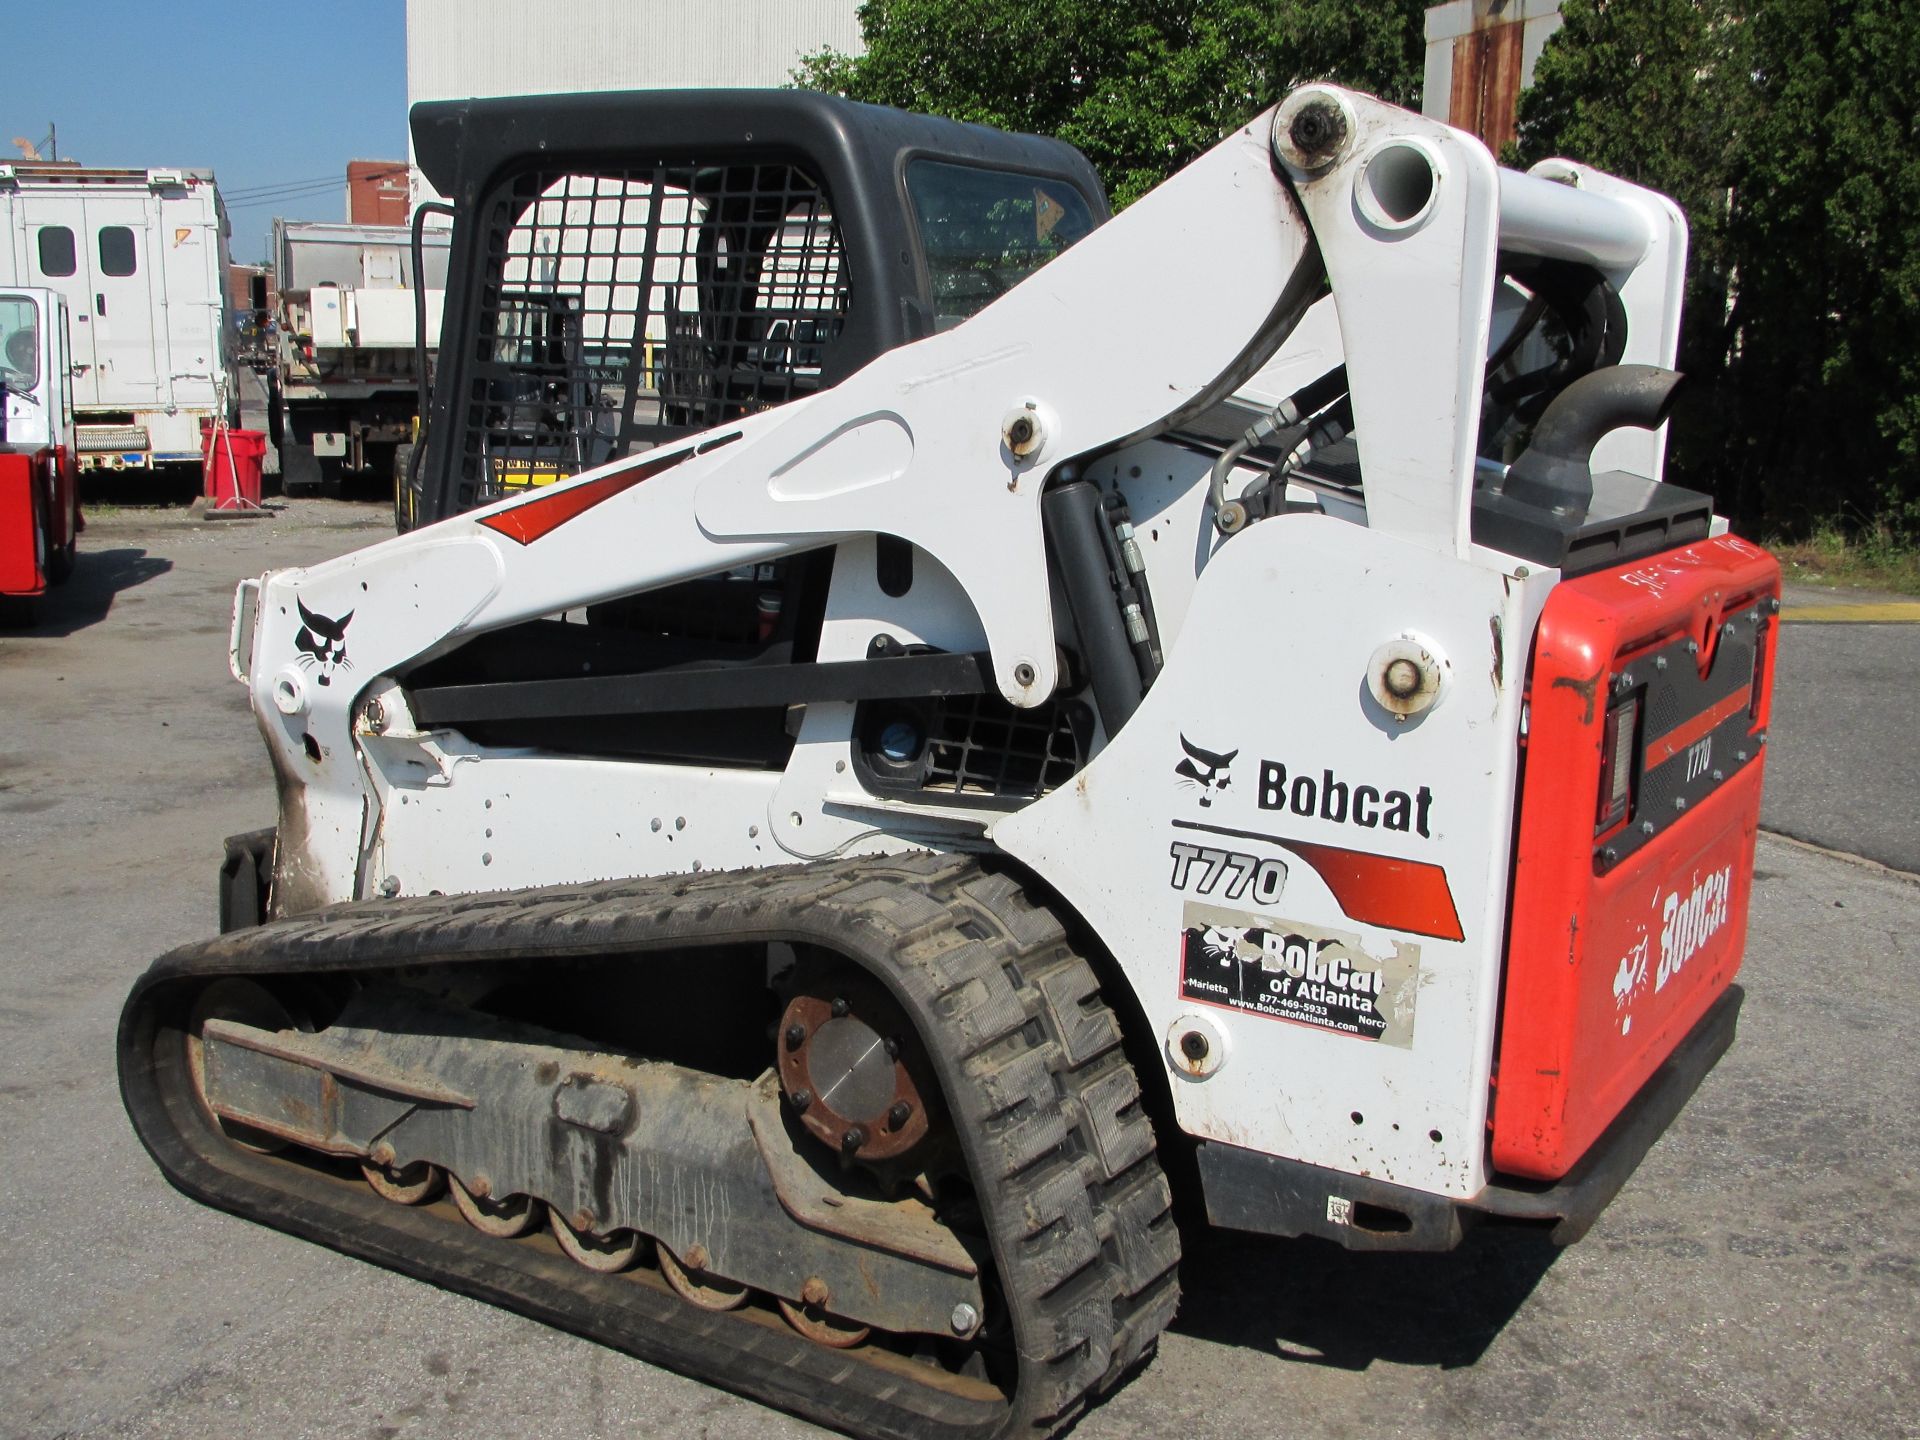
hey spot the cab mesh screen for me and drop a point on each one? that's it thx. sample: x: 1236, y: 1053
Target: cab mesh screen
x: 625, y: 308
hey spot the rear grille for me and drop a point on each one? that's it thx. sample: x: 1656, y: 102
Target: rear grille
x: 977, y: 750
x: 984, y: 746
x: 111, y: 437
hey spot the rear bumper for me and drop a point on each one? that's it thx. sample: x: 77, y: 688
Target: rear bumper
x: 154, y: 437
x: 1248, y: 1190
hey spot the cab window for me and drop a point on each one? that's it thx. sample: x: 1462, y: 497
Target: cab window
x: 19, y: 344
x: 984, y: 231
x: 116, y: 250
x: 57, y: 256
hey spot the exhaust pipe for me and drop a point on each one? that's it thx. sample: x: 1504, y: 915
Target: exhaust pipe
x: 1556, y: 470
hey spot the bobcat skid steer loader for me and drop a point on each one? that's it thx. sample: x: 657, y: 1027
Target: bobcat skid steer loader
x: 1239, y: 705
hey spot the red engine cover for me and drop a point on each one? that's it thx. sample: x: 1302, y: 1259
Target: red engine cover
x: 1620, y: 939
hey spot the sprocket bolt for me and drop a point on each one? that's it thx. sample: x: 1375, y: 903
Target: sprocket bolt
x: 901, y: 1112
x: 796, y: 1036
x: 855, y: 1137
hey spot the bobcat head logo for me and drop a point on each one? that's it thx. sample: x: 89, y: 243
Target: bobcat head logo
x: 322, y: 642
x: 1204, y: 768
x: 1221, y: 943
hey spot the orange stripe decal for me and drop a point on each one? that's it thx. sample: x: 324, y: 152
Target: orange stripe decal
x: 1409, y: 895
x: 527, y: 522
x: 1681, y: 736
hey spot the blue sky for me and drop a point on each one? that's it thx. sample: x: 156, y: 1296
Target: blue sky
x: 268, y: 93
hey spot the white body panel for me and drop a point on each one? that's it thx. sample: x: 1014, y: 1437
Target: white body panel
x: 1270, y: 636
x: 647, y: 818
x: 1230, y: 686
x: 148, y: 303
x: 383, y: 319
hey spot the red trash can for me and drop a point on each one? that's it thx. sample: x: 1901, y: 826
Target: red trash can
x: 230, y: 466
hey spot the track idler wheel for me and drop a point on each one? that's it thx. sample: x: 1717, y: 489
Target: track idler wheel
x: 249, y: 1003
x: 607, y: 1254
x: 504, y: 1219
x: 693, y: 1284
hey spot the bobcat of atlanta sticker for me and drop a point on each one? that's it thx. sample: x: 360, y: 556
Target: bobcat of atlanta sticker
x: 1304, y: 973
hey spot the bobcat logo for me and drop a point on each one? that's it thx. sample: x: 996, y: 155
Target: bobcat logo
x: 322, y: 642
x: 1205, y: 769
x: 1222, y: 943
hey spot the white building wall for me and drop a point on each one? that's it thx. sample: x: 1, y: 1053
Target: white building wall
x: 458, y: 49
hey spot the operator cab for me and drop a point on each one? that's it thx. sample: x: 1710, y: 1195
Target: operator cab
x: 661, y: 262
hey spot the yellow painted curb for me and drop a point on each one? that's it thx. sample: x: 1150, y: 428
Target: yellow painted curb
x: 1906, y: 612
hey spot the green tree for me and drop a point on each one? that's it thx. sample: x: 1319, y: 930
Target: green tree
x: 1141, y: 86
x: 1787, y: 129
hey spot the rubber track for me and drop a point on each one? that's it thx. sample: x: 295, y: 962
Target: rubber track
x: 1028, y: 1057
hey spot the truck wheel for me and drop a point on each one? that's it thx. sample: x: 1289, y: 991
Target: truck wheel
x: 299, y: 469
x: 60, y: 561
x: 379, y: 461
x: 61, y: 558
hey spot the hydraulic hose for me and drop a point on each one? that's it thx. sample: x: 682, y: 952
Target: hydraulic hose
x: 1309, y: 400
x: 1130, y: 585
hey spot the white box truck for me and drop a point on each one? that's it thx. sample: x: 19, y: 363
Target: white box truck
x: 141, y: 256
x: 345, y: 378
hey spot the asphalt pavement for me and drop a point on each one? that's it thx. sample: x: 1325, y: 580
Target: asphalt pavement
x: 1844, y: 767
x: 1758, y: 1276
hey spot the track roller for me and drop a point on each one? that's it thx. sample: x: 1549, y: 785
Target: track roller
x: 822, y: 1328
x: 413, y: 1184
x: 607, y: 1254
x: 692, y: 1283
x: 504, y: 1219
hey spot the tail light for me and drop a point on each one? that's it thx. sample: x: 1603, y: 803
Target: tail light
x: 1616, y: 764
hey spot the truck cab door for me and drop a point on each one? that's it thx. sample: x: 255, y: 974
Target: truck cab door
x: 54, y: 235
x: 122, y: 263
x: 60, y: 380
